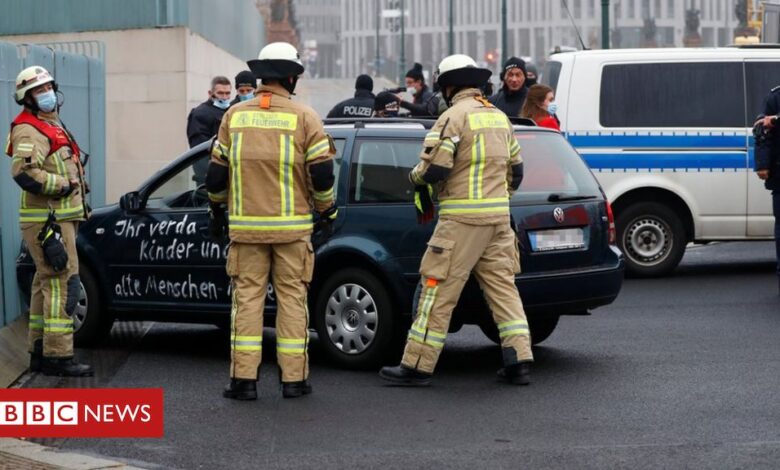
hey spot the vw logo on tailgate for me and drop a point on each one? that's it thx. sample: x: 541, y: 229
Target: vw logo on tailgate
x: 559, y: 215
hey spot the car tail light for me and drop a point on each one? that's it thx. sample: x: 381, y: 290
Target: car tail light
x: 611, y: 231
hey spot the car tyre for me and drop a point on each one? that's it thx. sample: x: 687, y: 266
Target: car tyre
x: 354, y: 319
x: 652, y: 239
x: 92, y: 321
x: 541, y: 328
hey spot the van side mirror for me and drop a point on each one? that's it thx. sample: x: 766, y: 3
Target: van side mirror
x: 130, y: 202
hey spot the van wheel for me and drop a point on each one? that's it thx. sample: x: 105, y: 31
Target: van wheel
x: 91, y: 322
x: 652, y: 238
x: 541, y: 328
x: 354, y: 319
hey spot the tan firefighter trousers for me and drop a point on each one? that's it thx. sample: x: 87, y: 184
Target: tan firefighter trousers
x: 454, y: 250
x: 291, y: 266
x: 54, y: 295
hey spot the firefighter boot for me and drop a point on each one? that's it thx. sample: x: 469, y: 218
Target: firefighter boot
x: 296, y: 389
x: 516, y: 374
x: 240, y: 389
x: 36, y: 356
x: 65, y: 367
x: 405, y: 377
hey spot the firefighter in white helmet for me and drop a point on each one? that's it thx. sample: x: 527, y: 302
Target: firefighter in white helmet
x: 47, y: 166
x: 271, y: 164
x: 472, y: 155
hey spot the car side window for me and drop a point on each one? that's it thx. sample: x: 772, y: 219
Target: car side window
x: 182, y: 190
x: 380, y: 170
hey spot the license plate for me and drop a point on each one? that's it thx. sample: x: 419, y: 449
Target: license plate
x: 557, y: 239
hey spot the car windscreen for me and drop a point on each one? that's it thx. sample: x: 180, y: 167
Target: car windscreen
x: 552, y: 167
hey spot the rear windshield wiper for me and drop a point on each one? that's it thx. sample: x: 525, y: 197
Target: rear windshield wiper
x: 554, y: 197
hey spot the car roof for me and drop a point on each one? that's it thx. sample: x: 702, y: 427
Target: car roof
x: 387, y: 127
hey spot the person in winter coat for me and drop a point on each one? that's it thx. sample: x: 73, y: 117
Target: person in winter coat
x: 422, y: 95
x: 511, y: 97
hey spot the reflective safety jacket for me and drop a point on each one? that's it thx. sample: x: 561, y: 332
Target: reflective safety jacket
x: 272, y: 162
x: 45, y: 159
x: 472, y: 154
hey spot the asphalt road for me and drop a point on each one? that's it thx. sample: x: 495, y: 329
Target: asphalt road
x: 681, y: 372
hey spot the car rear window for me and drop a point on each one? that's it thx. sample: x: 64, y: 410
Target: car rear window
x: 551, y: 166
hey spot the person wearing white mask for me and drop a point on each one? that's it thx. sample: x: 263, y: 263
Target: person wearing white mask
x: 421, y: 94
x: 541, y: 107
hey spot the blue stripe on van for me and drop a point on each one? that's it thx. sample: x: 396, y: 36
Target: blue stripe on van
x: 683, y: 160
x: 688, y: 140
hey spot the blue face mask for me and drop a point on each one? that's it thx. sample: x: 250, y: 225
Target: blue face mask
x: 552, y: 108
x: 246, y: 97
x: 221, y: 104
x: 47, y: 101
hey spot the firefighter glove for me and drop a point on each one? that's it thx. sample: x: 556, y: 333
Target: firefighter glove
x: 218, y: 222
x: 54, y: 252
x: 423, y: 202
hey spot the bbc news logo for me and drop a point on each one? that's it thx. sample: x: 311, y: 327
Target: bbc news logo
x: 95, y: 412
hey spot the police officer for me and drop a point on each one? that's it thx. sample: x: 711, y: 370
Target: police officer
x: 767, y: 161
x: 271, y: 162
x: 474, y: 158
x: 46, y: 165
x: 511, y: 97
x: 361, y: 105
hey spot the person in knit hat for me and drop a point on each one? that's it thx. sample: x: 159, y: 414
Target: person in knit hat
x: 511, y: 97
x: 421, y: 94
x: 246, y: 84
x: 361, y: 105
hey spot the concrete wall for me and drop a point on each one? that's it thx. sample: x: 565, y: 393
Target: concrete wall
x: 153, y: 78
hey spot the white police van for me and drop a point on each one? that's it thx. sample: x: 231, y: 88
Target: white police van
x: 667, y: 132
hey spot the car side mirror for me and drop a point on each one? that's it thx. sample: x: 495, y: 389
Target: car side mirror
x: 130, y: 202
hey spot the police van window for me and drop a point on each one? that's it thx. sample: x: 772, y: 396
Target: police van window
x: 180, y: 190
x: 551, y: 74
x: 551, y: 166
x: 380, y: 171
x: 672, y: 95
x: 761, y: 78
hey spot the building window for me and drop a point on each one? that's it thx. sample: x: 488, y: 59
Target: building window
x: 670, y: 8
x: 591, y: 8
x: 632, y: 8
x: 578, y: 9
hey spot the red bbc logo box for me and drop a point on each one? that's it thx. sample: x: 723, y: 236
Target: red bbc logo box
x: 81, y: 412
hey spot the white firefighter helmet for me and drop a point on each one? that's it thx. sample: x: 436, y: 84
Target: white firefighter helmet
x: 276, y: 61
x: 460, y: 70
x: 30, y: 78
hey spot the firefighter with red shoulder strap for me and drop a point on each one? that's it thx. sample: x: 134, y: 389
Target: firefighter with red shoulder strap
x: 46, y: 164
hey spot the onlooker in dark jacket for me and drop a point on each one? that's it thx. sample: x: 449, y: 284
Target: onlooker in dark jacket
x: 246, y: 85
x: 204, y: 120
x: 422, y: 95
x: 767, y: 161
x: 531, y: 75
x: 511, y: 96
x: 362, y: 105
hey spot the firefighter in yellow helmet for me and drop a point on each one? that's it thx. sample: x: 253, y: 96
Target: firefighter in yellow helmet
x: 271, y: 164
x: 46, y: 165
x: 472, y: 155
